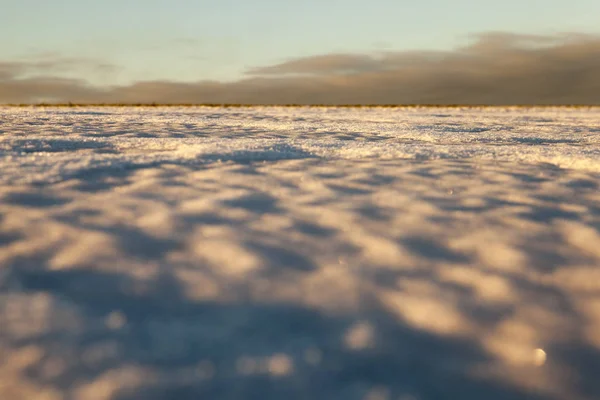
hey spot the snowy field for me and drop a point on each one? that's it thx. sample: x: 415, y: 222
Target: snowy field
x: 299, y: 253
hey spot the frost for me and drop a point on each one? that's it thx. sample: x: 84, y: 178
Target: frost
x: 299, y: 253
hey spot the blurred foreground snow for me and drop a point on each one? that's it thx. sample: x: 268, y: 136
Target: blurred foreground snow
x: 185, y: 253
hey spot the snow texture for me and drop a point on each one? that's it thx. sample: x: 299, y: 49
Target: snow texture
x: 299, y: 253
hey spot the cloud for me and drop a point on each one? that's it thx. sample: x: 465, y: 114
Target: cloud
x: 47, y: 89
x: 494, y: 68
x: 42, y: 79
x: 52, y: 63
x: 322, y: 64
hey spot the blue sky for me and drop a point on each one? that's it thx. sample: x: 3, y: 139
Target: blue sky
x: 187, y: 40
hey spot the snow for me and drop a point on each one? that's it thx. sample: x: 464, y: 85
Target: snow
x: 326, y: 253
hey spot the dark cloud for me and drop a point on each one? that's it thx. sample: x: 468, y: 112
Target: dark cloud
x: 494, y: 68
x: 8, y: 71
x: 48, y: 89
x: 41, y: 79
x: 322, y: 64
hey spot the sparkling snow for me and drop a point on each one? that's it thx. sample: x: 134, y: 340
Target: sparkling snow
x: 299, y: 253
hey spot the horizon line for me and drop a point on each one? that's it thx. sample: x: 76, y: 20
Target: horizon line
x: 294, y: 105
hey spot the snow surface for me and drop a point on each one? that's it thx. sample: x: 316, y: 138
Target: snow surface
x: 299, y: 253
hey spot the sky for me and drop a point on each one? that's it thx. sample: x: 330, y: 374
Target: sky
x: 120, y: 42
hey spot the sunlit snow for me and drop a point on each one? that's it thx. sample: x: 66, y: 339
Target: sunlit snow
x: 299, y: 253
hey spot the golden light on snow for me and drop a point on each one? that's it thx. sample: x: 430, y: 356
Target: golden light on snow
x: 419, y: 306
x: 539, y: 357
x: 365, y: 250
x: 53, y: 368
x: 359, y: 336
x: 280, y: 365
x: 277, y: 365
x: 116, y: 320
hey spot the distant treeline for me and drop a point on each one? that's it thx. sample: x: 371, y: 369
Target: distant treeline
x: 231, y: 105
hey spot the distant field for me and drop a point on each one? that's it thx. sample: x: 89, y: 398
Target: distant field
x: 379, y: 253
